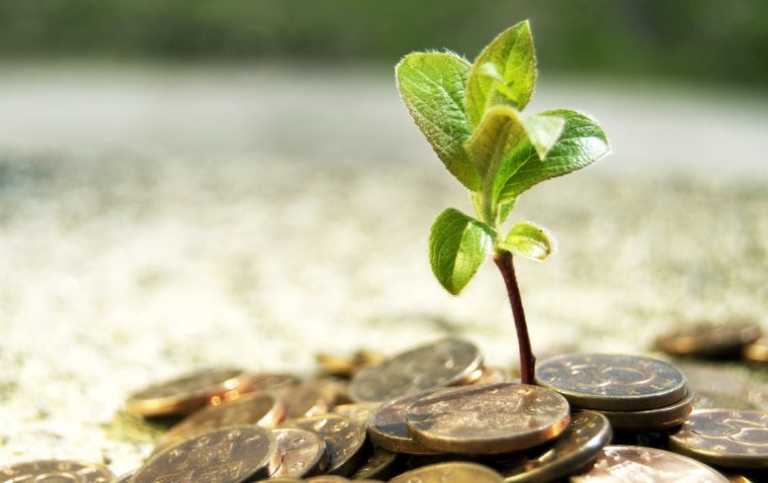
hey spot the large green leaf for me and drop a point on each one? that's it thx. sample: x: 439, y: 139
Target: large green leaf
x: 581, y: 143
x: 503, y: 73
x: 529, y: 240
x: 458, y: 245
x: 432, y: 86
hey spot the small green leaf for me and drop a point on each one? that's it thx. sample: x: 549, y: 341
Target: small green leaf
x: 543, y: 132
x: 581, y: 143
x: 503, y: 73
x: 529, y: 240
x: 500, y: 130
x: 432, y: 86
x: 458, y: 245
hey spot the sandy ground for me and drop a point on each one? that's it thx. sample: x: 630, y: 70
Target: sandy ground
x: 157, y: 220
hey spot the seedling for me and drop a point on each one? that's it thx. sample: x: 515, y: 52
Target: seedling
x: 472, y: 115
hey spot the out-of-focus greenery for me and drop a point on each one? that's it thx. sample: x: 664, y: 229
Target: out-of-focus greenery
x: 702, y: 40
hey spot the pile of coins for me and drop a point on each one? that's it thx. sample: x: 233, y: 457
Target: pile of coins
x: 436, y: 413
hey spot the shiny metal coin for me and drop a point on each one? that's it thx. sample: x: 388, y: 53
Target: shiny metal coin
x: 450, y: 472
x: 382, y: 464
x: 447, y: 362
x: 613, y: 382
x: 655, y: 419
x: 303, y: 452
x: 344, y: 439
x: 387, y: 426
x: 488, y: 419
x: 725, y: 437
x: 56, y: 470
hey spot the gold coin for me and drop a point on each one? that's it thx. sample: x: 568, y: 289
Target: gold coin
x: 488, y: 419
x: 635, y: 464
x: 756, y: 351
x: 612, y: 382
x: 303, y: 452
x: 261, y: 408
x: 578, y: 446
x: 382, y: 464
x: 458, y: 472
x: 447, y: 362
x: 56, y: 470
x: 725, y: 437
x: 187, y: 393
x: 344, y: 440
x: 655, y: 419
x: 708, y: 339
x: 302, y: 400
x: 226, y: 455
x: 387, y: 425
x: 360, y: 412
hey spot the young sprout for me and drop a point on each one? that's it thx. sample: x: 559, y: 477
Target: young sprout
x: 472, y: 115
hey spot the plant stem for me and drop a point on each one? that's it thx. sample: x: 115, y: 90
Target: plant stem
x: 503, y: 260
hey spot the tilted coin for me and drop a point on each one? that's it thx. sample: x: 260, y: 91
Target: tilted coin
x: 382, y: 464
x: 303, y: 452
x: 708, y: 339
x: 187, y: 393
x: 635, y: 464
x: 578, y: 446
x: 757, y: 350
x: 450, y: 472
x: 387, y: 425
x: 447, y: 362
x: 232, y: 454
x: 302, y: 400
x: 655, y: 419
x: 612, y: 381
x: 56, y: 470
x: 360, y: 412
x: 488, y: 419
x: 725, y: 437
x: 344, y: 440
x: 261, y: 408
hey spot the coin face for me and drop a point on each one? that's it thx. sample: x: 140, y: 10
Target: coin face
x: 725, y: 437
x: 56, y: 470
x: 636, y: 464
x: 187, y: 393
x: 612, y: 381
x: 488, y: 419
x: 261, y: 408
x: 709, y: 339
x: 344, y: 439
x: 387, y: 425
x: 655, y: 419
x: 579, y: 444
x: 303, y: 452
x: 443, y: 363
x: 231, y: 454
x: 453, y: 472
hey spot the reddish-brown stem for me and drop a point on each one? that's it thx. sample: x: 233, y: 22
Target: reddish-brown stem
x: 503, y: 259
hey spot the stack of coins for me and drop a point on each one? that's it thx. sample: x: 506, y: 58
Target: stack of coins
x: 435, y: 413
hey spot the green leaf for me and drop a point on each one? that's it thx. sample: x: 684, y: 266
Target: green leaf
x: 581, y: 143
x: 458, y: 245
x: 432, y: 86
x: 503, y: 73
x: 529, y: 240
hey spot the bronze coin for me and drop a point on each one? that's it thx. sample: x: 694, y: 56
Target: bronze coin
x: 458, y: 472
x: 56, y: 470
x: 261, y: 408
x: 708, y: 339
x: 579, y: 444
x: 612, y: 382
x: 725, y: 437
x: 360, y: 412
x: 488, y: 419
x: 302, y: 400
x: 756, y: 351
x: 380, y: 465
x: 655, y: 419
x: 387, y: 425
x: 447, y: 362
x: 232, y: 454
x: 187, y: 393
x: 636, y: 464
x: 303, y: 452
x: 344, y: 440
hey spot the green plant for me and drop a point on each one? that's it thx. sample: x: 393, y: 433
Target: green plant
x: 472, y: 115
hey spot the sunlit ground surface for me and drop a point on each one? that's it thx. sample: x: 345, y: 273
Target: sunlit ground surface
x: 154, y: 221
